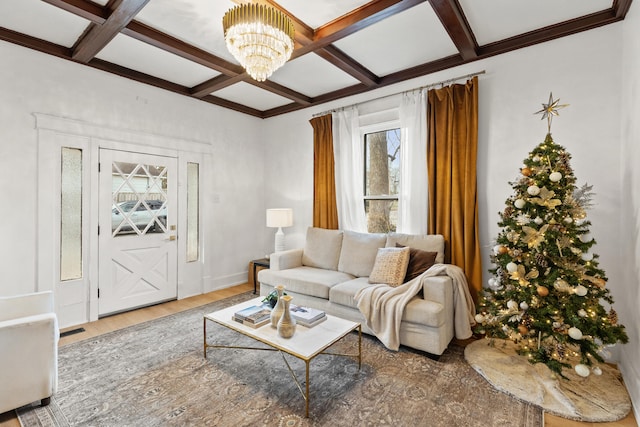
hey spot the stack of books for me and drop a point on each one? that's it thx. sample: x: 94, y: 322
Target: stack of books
x: 253, y: 316
x: 306, y: 316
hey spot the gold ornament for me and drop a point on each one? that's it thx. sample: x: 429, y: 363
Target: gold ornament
x: 525, y: 171
x: 523, y: 330
x: 513, y: 237
x: 503, y: 250
x: 542, y: 291
x: 534, y: 237
x: 546, y: 198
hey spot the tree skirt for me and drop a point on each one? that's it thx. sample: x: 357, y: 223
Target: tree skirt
x: 597, y: 398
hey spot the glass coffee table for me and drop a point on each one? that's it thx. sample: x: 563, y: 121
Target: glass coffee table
x: 306, y: 343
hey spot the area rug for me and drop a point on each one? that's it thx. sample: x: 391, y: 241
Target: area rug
x: 596, y: 398
x: 154, y: 374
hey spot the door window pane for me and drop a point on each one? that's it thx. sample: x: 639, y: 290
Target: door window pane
x: 139, y: 199
x: 193, y: 209
x: 71, y: 214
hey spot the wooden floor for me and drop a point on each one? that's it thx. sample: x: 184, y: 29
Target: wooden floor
x: 119, y: 321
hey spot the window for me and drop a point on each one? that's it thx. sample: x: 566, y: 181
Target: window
x: 139, y: 199
x: 193, y: 210
x: 71, y: 214
x: 382, y: 178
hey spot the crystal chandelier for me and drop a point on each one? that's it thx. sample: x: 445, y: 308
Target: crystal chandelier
x: 259, y: 37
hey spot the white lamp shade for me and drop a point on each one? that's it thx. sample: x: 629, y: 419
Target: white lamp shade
x: 279, y: 217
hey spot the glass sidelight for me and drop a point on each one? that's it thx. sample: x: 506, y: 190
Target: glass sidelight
x: 71, y: 214
x: 193, y: 210
x: 139, y: 199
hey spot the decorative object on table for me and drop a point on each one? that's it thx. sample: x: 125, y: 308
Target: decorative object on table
x: 547, y: 286
x: 260, y: 37
x: 278, y: 309
x: 311, y: 324
x: 286, y: 324
x: 272, y: 298
x: 253, y: 324
x: 278, y: 218
x: 307, y: 316
x: 253, y: 316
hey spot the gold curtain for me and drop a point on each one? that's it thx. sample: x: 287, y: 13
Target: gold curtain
x: 452, y: 147
x: 325, y: 210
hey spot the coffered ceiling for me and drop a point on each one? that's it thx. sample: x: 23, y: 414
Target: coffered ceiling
x: 343, y: 47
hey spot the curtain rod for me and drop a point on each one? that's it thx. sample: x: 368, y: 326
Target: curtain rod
x: 429, y: 86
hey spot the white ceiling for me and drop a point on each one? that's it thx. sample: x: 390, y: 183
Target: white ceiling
x: 343, y: 46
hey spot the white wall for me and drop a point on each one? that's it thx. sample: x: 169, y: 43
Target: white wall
x: 32, y: 82
x: 629, y: 250
x: 582, y: 70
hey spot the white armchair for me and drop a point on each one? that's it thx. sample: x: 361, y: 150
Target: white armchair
x: 28, y: 350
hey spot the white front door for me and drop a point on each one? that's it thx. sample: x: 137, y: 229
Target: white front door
x: 137, y: 240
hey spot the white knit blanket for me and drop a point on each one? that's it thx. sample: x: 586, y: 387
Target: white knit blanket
x: 383, y: 305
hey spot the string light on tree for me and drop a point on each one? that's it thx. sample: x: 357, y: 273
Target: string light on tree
x: 547, y: 287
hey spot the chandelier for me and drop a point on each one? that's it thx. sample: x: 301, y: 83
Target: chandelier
x: 259, y: 37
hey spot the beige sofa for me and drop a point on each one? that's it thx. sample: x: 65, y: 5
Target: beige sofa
x: 328, y: 272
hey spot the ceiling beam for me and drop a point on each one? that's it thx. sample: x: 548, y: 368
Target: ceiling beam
x: 99, y: 35
x: 138, y: 76
x: 347, y: 64
x: 551, y: 32
x: 171, y: 44
x: 214, y: 84
x: 278, y: 89
x: 355, y: 20
x: 232, y: 106
x: 34, y: 43
x: 454, y: 21
x: 83, y: 8
x: 164, y: 84
x: 621, y: 7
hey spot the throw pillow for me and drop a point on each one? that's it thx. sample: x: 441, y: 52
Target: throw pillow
x: 390, y: 266
x: 359, y: 251
x: 424, y: 242
x: 419, y: 262
x: 322, y: 248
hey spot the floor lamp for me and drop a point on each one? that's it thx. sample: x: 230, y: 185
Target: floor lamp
x: 278, y: 218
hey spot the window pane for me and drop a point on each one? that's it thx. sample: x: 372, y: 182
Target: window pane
x: 193, y: 207
x: 382, y: 163
x: 382, y: 215
x: 382, y: 180
x: 71, y: 215
x: 139, y: 199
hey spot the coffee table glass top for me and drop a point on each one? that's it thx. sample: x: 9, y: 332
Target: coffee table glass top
x: 305, y: 344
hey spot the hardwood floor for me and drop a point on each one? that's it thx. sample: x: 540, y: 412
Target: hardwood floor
x: 119, y: 321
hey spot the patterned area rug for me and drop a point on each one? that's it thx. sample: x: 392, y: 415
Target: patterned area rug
x: 154, y: 374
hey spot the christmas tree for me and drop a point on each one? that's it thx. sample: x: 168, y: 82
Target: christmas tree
x: 547, y: 289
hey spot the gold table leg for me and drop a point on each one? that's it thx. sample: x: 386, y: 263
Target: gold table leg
x: 307, y: 397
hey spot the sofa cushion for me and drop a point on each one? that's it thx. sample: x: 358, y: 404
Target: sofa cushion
x: 344, y: 293
x: 417, y: 311
x: 390, y: 266
x: 419, y: 262
x: 305, y: 280
x: 425, y: 242
x: 322, y: 248
x: 358, y: 253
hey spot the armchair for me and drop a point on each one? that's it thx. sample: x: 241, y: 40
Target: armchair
x: 28, y: 350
